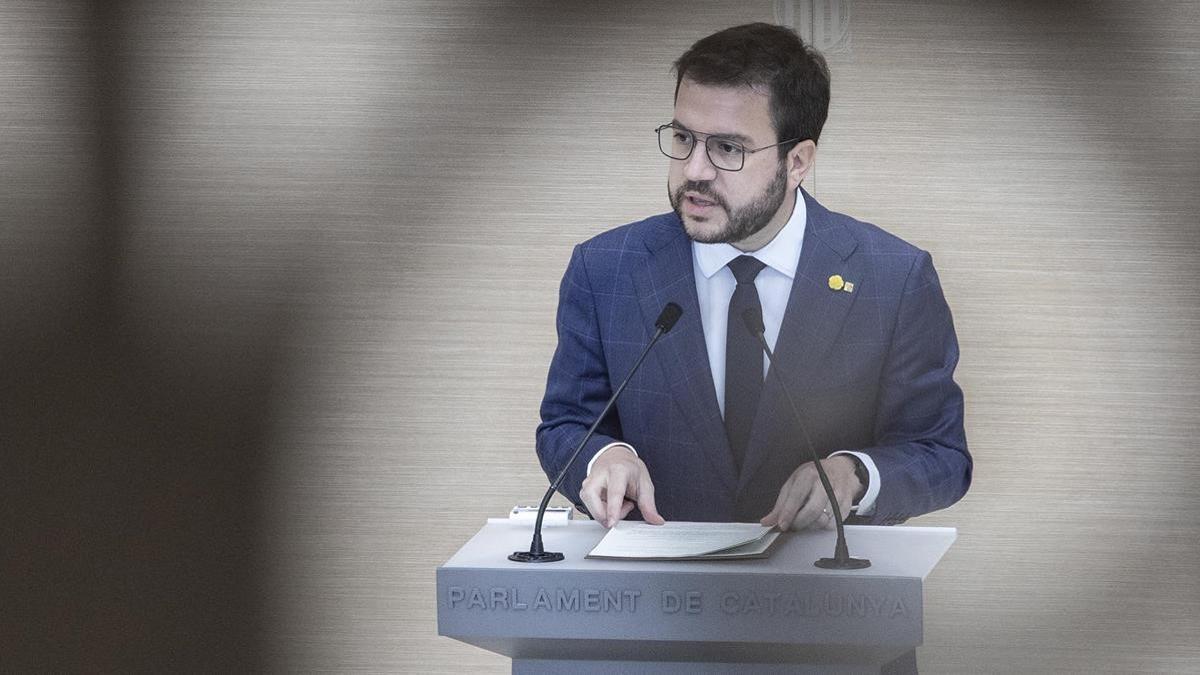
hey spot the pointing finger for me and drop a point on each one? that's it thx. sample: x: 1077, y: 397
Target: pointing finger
x: 645, y: 500
x: 617, y: 486
x: 772, y: 518
x: 793, y: 502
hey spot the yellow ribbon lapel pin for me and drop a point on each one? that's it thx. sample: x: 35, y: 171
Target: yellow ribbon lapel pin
x: 837, y: 283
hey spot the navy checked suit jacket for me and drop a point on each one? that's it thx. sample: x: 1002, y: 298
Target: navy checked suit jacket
x: 872, y: 371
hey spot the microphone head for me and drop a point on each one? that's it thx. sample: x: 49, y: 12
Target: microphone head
x: 753, y: 320
x: 667, y: 318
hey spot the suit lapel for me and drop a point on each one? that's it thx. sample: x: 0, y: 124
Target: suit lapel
x: 811, y: 324
x: 668, y: 276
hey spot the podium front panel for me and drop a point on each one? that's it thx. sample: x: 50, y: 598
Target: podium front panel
x: 781, y: 609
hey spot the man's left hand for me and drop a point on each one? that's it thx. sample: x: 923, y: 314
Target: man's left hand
x: 802, y: 501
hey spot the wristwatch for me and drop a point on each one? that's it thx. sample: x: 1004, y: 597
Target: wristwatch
x: 863, y: 476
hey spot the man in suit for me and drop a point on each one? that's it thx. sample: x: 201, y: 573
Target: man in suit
x: 862, y: 336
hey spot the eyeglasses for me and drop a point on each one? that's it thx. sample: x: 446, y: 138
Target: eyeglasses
x: 724, y: 153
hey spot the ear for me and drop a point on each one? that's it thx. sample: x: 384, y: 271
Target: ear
x: 800, y: 160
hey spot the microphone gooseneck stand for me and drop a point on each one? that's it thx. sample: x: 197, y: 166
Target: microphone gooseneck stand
x: 537, y: 552
x: 841, y: 559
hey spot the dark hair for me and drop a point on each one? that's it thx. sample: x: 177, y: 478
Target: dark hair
x: 765, y: 56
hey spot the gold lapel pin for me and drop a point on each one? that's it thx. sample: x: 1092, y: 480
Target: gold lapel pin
x: 837, y: 283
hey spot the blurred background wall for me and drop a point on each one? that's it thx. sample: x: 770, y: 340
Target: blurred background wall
x: 277, y: 285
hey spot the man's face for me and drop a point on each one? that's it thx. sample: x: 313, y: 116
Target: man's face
x: 726, y: 206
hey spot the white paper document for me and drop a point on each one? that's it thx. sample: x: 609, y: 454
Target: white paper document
x: 685, y: 541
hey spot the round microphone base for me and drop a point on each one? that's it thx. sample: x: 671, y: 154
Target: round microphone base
x: 531, y: 557
x: 844, y: 564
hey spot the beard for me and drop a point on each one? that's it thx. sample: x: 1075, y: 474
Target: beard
x: 742, y: 222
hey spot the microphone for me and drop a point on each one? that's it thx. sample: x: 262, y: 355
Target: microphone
x: 537, y: 553
x: 841, y: 559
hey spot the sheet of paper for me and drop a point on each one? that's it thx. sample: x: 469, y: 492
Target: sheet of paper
x: 635, y: 539
x: 754, y: 548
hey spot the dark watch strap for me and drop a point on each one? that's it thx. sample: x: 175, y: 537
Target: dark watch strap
x: 864, y: 477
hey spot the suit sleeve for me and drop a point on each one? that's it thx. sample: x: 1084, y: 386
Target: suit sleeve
x: 921, y: 447
x: 577, y: 386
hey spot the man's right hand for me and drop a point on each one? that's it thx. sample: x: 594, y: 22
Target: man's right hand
x: 618, y: 482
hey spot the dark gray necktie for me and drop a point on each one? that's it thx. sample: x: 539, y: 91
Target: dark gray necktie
x: 743, y: 359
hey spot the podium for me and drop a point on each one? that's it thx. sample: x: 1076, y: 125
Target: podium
x: 774, y: 615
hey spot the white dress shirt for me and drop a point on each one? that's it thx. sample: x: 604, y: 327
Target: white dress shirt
x: 714, y: 288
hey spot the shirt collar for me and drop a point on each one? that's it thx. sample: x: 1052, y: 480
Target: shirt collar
x: 781, y: 254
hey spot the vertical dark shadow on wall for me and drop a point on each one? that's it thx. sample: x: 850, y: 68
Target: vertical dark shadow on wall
x: 131, y: 481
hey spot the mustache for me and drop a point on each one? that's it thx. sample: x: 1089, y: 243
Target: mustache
x: 700, y: 188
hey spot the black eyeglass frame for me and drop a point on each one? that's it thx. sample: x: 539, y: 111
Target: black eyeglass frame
x: 708, y: 151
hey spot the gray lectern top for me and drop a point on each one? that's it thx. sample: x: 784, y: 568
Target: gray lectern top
x: 779, y: 614
x: 893, y: 551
